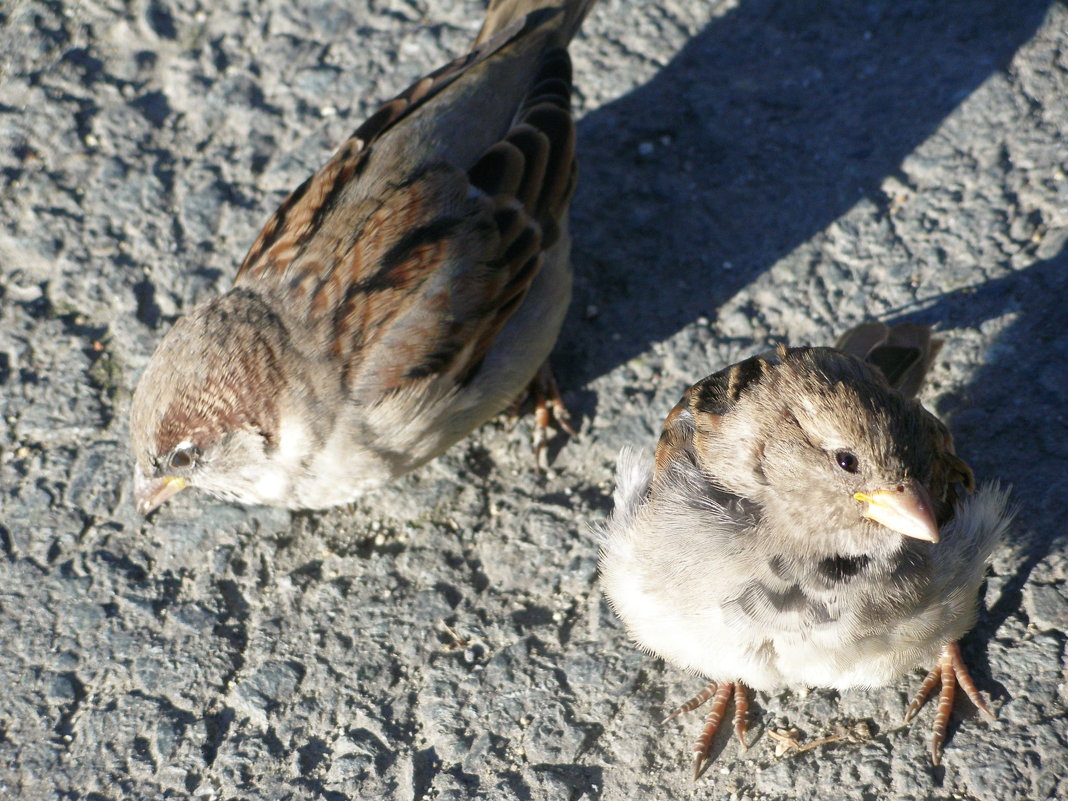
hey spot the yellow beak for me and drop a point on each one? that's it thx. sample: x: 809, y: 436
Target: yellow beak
x: 150, y: 494
x: 906, y: 509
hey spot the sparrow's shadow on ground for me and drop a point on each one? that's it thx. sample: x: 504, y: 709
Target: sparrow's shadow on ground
x: 770, y: 124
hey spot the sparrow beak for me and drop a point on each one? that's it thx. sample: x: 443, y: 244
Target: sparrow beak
x: 150, y: 494
x: 906, y: 509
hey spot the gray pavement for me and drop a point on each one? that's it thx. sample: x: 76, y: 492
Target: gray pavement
x: 753, y: 171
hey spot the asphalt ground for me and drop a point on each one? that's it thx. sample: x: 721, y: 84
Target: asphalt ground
x: 752, y: 172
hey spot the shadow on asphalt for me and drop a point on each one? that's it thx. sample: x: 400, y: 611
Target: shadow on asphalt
x: 770, y: 124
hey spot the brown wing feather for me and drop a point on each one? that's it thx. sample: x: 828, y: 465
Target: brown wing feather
x: 698, y: 415
x: 406, y: 279
x: 295, y: 221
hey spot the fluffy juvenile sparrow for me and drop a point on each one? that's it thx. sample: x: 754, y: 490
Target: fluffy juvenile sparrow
x: 802, y: 525
x: 400, y: 297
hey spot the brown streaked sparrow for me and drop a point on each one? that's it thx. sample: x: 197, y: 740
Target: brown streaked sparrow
x: 802, y: 525
x: 400, y: 297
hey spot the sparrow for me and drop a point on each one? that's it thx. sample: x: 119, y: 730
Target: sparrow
x: 805, y: 522
x: 400, y: 297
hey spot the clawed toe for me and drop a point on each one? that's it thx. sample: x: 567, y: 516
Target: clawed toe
x: 549, y: 408
x: 720, y: 693
x: 949, y: 671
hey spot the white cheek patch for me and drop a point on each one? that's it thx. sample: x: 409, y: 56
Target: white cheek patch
x: 269, y: 481
x: 285, y: 461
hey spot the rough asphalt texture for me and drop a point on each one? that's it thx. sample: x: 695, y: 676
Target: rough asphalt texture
x: 753, y: 171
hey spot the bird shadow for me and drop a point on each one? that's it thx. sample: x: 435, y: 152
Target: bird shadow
x: 768, y: 125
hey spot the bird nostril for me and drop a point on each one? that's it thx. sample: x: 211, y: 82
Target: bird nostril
x: 900, y: 488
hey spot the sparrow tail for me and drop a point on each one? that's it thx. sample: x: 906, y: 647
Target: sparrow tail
x: 502, y: 13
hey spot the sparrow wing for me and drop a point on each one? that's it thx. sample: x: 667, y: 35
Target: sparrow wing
x: 411, y: 247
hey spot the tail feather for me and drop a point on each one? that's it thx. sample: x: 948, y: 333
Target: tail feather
x: 904, y: 353
x: 504, y: 13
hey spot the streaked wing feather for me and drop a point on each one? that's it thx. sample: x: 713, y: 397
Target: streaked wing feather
x: 406, y: 276
x: 294, y: 222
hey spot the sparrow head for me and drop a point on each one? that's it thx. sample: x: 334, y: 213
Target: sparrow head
x: 848, y: 441
x: 821, y: 441
x: 206, y: 410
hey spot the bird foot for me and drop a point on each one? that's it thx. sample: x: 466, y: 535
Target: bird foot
x: 720, y: 693
x: 548, y: 408
x: 949, y: 671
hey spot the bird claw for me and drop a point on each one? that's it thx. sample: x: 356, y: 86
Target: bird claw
x: 949, y: 671
x: 548, y: 408
x: 720, y: 693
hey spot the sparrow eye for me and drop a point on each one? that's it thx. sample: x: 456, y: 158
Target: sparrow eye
x: 182, y: 458
x: 847, y: 461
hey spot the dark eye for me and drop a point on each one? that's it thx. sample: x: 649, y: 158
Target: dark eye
x: 182, y: 458
x: 847, y: 461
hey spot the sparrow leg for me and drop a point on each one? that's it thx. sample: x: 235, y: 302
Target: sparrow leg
x: 741, y: 713
x: 548, y: 406
x: 694, y: 702
x: 720, y: 693
x: 949, y: 671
